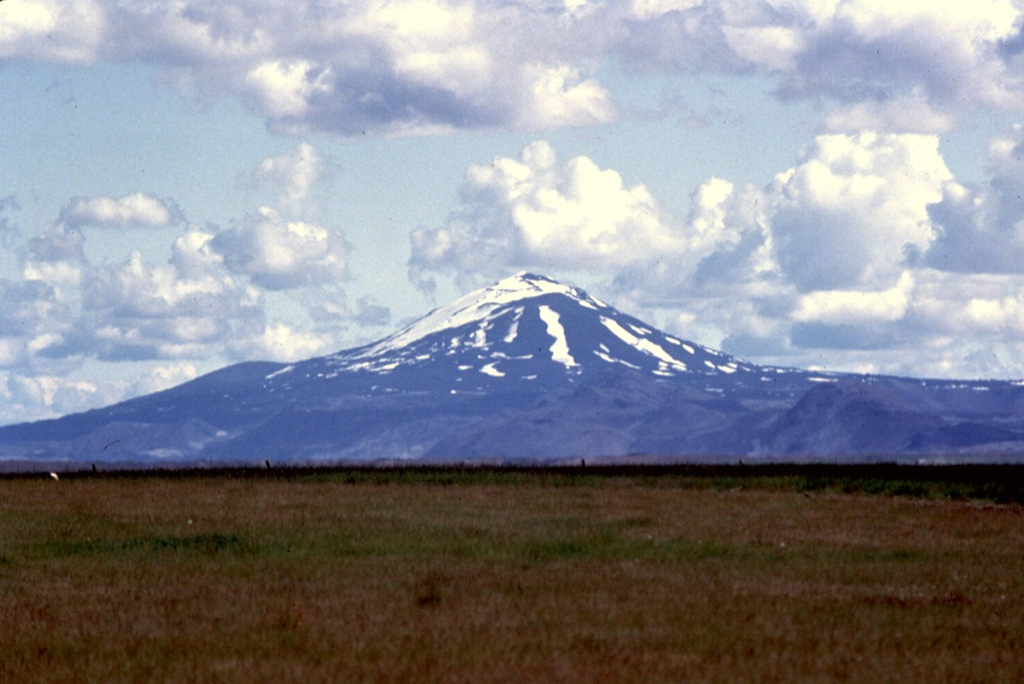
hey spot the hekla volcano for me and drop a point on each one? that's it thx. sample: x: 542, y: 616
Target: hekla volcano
x: 533, y: 370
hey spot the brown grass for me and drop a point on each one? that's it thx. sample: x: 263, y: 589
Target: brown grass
x: 318, y: 580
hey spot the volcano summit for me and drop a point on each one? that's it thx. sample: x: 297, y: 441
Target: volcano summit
x: 530, y: 370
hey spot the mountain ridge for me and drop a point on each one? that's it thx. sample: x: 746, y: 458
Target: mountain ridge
x: 533, y: 370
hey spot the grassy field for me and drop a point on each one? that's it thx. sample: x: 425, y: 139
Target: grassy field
x: 510, y: 576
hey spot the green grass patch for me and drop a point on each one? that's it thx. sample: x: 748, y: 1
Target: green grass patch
x: 198, y: 544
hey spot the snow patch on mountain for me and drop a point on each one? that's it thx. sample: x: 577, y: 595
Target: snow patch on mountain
x: 477, y: 307
x: 286, y: 369
x: 560, y: 347
x: 642, y: 343
x: 489, y: 369
x: 513, y: 330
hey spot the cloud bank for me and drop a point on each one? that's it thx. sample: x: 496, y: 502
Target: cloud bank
x: 209, y: 299
x: 419, y: 66
x: 868, y: 243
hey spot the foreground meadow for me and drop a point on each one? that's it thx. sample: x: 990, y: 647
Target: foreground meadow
x: 488, y: 577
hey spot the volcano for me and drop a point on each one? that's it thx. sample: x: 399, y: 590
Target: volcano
x: 533, y: 371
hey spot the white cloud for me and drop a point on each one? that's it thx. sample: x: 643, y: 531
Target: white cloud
x: 429, y: 42
x: 855, y: 208
x: 282, y: 255
x: 536, y: 212
x: 57, y: 257
x: 646, y: 9
x: 397, y: 68
x: 293, y: 174
x: 193, y: 256
x: 285, y: 87
x: 52, y: 30
x: 771, y: 47
x: 281, y: 342
x: 833, y: 254
x: 163, y: 377
x: 34, y: 317
x: 206, y: 302
x: 948, y: 46
x: 46, y: 395
x: 422, y: 66
x: 25, y: 395
x: 556, y: 96
x: 910, y: 113
x: 26, y: 305
x: 58, y: 243
x: 138, y: 311
x: 138, y: 209
x: 855, y: 307
x: 138, y: 289
x: 959, y: 304
x: 851, y: 215
x: 981, y: 226
x: 944, y: 57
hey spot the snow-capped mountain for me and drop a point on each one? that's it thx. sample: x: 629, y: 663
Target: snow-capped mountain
x: 525, y: 330
x: 533, y: 370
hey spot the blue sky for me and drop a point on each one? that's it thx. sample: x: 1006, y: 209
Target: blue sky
x: 185, y: 185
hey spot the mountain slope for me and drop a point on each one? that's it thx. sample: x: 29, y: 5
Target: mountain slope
x: 530, y: 369
x: 525, y: 329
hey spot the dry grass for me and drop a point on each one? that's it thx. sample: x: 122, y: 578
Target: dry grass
x: 318, y: 580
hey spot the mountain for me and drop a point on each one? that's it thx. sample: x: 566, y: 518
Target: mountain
x: 531, y: 370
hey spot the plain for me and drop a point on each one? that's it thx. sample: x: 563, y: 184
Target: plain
x: 492, y: 576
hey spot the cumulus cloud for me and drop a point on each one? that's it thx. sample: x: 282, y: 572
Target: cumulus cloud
x: 836, y: 252
x: 910, y: 113
x: 293, y: 175
x: 47, y: 396
x: 960, y: 304
x: 396, y: 68
x: 163, y: 377
x: 942, y: 55
x: 949, y: 48
x: 418, y: 66
x: 281, y: 255
x: 854, y: 209
x: 52, y: 30
x: 883, y: 254
x: 56, y: 256
x: 852, y: 213
x: 135, y: 310
x: 139, y: 289
x: 557, y: 96
x: 58, y: 243
x: 137, y: 209
x: 25, y: 395
x: 851, y: 319
x: 189, y: 308
x: 33, y: 318
x: 281, y: 342
x: 207, y: 299
x: 193, y: 256
x: 534, y: 211
x: 981, y: 226
x: 286, y: 87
